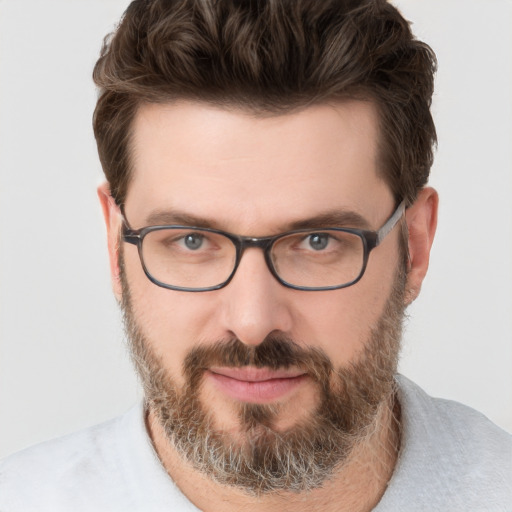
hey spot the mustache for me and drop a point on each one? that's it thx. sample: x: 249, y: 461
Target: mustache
x: 274, y: 352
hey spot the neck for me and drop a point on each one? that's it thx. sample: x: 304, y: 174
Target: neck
x: 357, y: 486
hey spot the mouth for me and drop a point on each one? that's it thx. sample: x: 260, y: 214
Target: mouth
x: 255, y: 385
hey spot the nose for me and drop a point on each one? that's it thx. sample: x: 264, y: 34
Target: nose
x: 254, y: 304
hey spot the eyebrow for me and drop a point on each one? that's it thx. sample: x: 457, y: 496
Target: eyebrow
x: 332, y: 218
x: 172, y: 217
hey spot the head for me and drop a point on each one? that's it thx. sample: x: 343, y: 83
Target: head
x: 258, y: 118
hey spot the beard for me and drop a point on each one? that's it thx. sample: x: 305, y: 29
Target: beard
x: 263, y: 459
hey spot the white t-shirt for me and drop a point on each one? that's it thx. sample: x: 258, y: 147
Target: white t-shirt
x: 452, y: 459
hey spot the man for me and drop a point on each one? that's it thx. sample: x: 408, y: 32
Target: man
x: 268, y: 222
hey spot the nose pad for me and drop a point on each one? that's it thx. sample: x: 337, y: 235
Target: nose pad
x: 254, y: 302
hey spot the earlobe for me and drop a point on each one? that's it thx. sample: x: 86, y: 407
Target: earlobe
x: 113, y: 225
x: 421, y: 220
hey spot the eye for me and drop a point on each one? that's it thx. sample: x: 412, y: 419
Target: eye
x: 318, y: 241
x: 193, y: 241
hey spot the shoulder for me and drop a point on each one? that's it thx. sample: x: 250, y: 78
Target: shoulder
x: 468, y: 433
x: 52, y: 471
x: 111, y: 466
x: 451, y: 458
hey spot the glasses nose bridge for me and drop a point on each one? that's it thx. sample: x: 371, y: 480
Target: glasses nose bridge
x: 246, y: 242
x: 264, y: 243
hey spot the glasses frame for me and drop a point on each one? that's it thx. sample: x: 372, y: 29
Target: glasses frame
x: 370, y: 239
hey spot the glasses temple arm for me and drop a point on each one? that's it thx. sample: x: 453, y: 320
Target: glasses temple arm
x: 390, y: 223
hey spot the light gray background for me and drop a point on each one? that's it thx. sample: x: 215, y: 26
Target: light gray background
x: 62, y: 359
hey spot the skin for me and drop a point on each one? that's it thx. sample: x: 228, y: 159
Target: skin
x: 258, y: 176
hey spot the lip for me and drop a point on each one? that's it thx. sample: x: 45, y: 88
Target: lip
x: 255, y: 385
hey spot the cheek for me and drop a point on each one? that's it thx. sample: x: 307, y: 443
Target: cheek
x: 170, y: 321
x: 338, y: 324
x: 340, y: 321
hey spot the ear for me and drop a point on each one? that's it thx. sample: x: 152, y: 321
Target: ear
x: 113, y: 223
x: 421, y: 220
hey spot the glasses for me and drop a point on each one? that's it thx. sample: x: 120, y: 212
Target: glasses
x: 196, y: 259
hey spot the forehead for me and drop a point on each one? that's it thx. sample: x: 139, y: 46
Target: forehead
x: 248, y: 173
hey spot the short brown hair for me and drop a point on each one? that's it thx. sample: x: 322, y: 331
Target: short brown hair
x: 269, y: 57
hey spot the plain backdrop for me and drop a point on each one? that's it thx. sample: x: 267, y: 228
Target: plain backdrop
x: 63, y: 363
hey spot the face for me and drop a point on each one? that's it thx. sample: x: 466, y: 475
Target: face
x: 242, y: 377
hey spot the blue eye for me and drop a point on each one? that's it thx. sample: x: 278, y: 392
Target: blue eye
x: 193, y: 241
x: 318, y: 241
